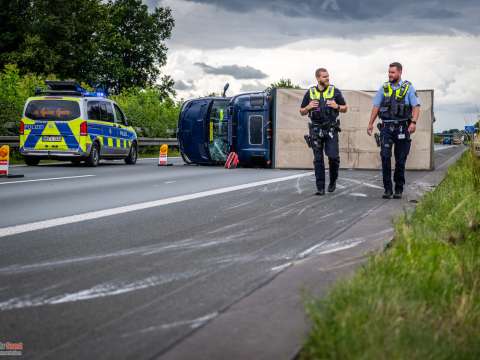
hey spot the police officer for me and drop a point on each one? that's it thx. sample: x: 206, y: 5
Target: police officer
x: 322, y: 103
x: 397, y: 105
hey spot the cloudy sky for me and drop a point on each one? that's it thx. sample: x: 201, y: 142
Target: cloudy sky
x: 251, y: 44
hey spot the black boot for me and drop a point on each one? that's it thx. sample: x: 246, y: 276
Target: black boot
x: 397, y: 195
x: 387, y: 194
x: 320, y: 192
x: 332, y: 186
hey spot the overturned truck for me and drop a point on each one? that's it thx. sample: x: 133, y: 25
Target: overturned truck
x: 266, y: 129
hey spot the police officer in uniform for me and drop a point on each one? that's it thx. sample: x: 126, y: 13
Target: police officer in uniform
x: 323, y: 103
x: 397, y: 105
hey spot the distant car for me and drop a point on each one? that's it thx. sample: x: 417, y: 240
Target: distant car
x: 457, y: 140
x: 447, y: 140
x: 66, y: 122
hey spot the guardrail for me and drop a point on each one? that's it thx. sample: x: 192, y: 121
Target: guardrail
x: 13, y: 141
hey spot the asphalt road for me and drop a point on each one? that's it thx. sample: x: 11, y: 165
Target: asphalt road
x: 127, y: 261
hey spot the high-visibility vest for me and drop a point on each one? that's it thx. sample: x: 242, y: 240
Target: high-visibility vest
x: 394, y: 106
x: 327, y: 94
x: 323, y: 113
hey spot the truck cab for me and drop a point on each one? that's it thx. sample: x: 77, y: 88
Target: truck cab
x: 212, y: 127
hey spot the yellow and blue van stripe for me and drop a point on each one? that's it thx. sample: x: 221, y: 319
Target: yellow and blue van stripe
x: 71, y: 139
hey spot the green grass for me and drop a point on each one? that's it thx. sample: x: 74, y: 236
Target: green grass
x: 421, y: 298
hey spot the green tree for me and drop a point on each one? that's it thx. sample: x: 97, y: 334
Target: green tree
x: 13, y: 15
x: 284, y: 83
x: 132, y: 46
x: 14, y: 91
x: 60, y: 37
x: 149, y: 110
x: 116, y: 43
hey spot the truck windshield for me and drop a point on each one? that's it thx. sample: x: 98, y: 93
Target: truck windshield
x: 218, y: 131
x: 52, y: 110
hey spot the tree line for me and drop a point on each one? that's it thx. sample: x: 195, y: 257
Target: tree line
x: 118, y: 45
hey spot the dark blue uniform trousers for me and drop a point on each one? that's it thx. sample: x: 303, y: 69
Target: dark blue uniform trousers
x: 397, y: 137
x: 329, y: 144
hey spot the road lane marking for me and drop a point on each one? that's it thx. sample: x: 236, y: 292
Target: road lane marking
x: 307, y: 252
x: 98, y: 291
x: 193, y: 324
x: 282, y: 267
x: 363, y: 183
x: 46, y: 179
x: 93, y: 215
x: 340, y: 248
x: 358, y: 194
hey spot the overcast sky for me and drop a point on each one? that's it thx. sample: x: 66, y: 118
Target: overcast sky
x: 251, y: 43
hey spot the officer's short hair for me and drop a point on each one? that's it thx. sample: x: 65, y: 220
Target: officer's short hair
x: 397, y: 65
x: 319, y: 70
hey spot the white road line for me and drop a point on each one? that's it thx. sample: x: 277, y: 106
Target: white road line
x: 358, y: 194
x: 339, y: 248
x: 281, y: 267
x: 45, y: 224
x: 307, y: 252
x: 46, y: 179
x: 363, y: 183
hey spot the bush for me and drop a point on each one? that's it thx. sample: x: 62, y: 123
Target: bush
x: 14, y: 91
x: 148, y: 110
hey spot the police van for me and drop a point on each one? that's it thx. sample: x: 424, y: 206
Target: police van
x: 66, y: 122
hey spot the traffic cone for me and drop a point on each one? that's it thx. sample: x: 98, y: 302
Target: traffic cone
x: 5, y: 162
x: 163, y: 156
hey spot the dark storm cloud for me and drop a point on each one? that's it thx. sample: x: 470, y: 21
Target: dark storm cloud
x: 354, y: 9
x: 215, y: 24
x: 238, y: 72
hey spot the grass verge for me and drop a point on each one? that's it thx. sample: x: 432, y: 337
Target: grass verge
x: 421, y: 298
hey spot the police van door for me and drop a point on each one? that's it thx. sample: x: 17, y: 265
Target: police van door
x: 101, y: 126
x: 124, y: 134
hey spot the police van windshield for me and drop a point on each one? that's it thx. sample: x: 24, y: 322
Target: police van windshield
x: 52, y: 110
x: 218, y: 131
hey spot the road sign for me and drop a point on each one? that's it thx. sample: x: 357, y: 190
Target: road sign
x: 4, y: 159
x: 471, y: 129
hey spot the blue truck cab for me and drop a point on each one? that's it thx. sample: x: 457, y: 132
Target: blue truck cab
x: 210, y: 128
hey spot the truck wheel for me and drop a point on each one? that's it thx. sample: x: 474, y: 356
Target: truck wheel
x: 185, y: 158
x: 32, y: 161
x: 94, y: 158
x: 131, y: 159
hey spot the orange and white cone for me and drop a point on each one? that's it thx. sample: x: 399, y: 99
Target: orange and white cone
x: 4, y: 159
x: 163, y: 156
x: 5, y: 162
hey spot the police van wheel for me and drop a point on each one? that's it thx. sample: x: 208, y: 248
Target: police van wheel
x: 94, y: 157
x: 131, y: 159
x: 32, y: 161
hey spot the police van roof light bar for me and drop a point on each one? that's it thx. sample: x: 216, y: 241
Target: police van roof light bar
x: 69, y: 88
